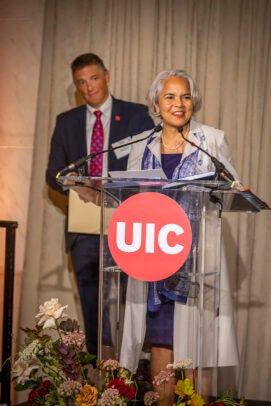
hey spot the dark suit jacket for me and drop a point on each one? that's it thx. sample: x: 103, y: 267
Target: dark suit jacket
x: 68, y: 142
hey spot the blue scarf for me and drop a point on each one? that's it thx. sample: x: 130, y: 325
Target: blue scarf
x: 176, y: 287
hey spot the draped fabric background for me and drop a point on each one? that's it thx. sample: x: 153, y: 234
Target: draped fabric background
x: 225, y: 46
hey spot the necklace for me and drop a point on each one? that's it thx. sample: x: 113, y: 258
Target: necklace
x: 177, y: 145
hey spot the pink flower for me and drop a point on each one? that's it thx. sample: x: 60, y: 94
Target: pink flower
x: 150, y: 398
x: 162, y: 377
x: 110, y: 365
x: 109, y: 397
x: 74, y: 338
x: 69, y: 388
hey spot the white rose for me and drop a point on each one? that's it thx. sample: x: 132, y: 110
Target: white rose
x: 21, y: 370
x: 49, y: 312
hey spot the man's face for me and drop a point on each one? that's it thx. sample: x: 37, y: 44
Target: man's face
x: 92, y: 83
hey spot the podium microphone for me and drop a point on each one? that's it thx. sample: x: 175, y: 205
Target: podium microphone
x: 219, y: 166
x: 82, y: 161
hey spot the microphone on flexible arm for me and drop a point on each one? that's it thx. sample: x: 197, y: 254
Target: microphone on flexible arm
x: 83, y: 160
x: 219, y: 166
x: 254, y: 200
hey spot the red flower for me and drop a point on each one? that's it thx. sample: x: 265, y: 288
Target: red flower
x: 118, y: 384
x: 41, y: 391
x: 32, y: 396
x: 123, y: 389
x: 130, y: 392
x: 44, y: 388
x: 46, y: 384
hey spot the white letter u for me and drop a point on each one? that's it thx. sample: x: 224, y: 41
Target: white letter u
x: 136, y: 240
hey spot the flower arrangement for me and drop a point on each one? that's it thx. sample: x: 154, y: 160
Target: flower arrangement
x: 56, y: 369
x: 184, y: 392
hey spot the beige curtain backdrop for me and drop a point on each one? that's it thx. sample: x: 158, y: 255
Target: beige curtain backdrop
x: 225, y: 46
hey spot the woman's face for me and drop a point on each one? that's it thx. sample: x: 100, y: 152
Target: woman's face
x: 174, y: 102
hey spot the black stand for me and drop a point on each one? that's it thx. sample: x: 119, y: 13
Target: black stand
x: 5, y: 375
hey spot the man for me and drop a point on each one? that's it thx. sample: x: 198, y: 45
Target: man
x: 71, y: 141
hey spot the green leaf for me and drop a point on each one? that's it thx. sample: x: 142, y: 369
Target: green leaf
x: 85, y: 357
x: 27, y: 385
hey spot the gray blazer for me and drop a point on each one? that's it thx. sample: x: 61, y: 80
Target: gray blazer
x: 210, y: 139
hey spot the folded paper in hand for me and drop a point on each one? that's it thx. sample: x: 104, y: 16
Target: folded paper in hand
x: 85, y: 218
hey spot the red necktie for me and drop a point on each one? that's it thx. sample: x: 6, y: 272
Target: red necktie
x: 97, y: 140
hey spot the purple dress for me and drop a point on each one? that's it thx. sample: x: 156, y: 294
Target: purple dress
x: 159, y: 323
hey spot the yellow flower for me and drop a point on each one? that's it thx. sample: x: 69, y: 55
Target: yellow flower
x: 87, y: 397
x: 178, y: 388
x: 184, y: 387
x: 197, y: 400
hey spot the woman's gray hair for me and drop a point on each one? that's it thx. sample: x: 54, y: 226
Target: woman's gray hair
x: 157, y: 85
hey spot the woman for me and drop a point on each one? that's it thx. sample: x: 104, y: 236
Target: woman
x: 174, y: 98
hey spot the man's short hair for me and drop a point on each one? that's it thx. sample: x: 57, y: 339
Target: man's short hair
x: 85, y: 60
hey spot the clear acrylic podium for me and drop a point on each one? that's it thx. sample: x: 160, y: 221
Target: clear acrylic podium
x: 198, y: 315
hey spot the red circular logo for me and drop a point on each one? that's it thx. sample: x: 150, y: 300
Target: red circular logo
x: 149, y: 236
